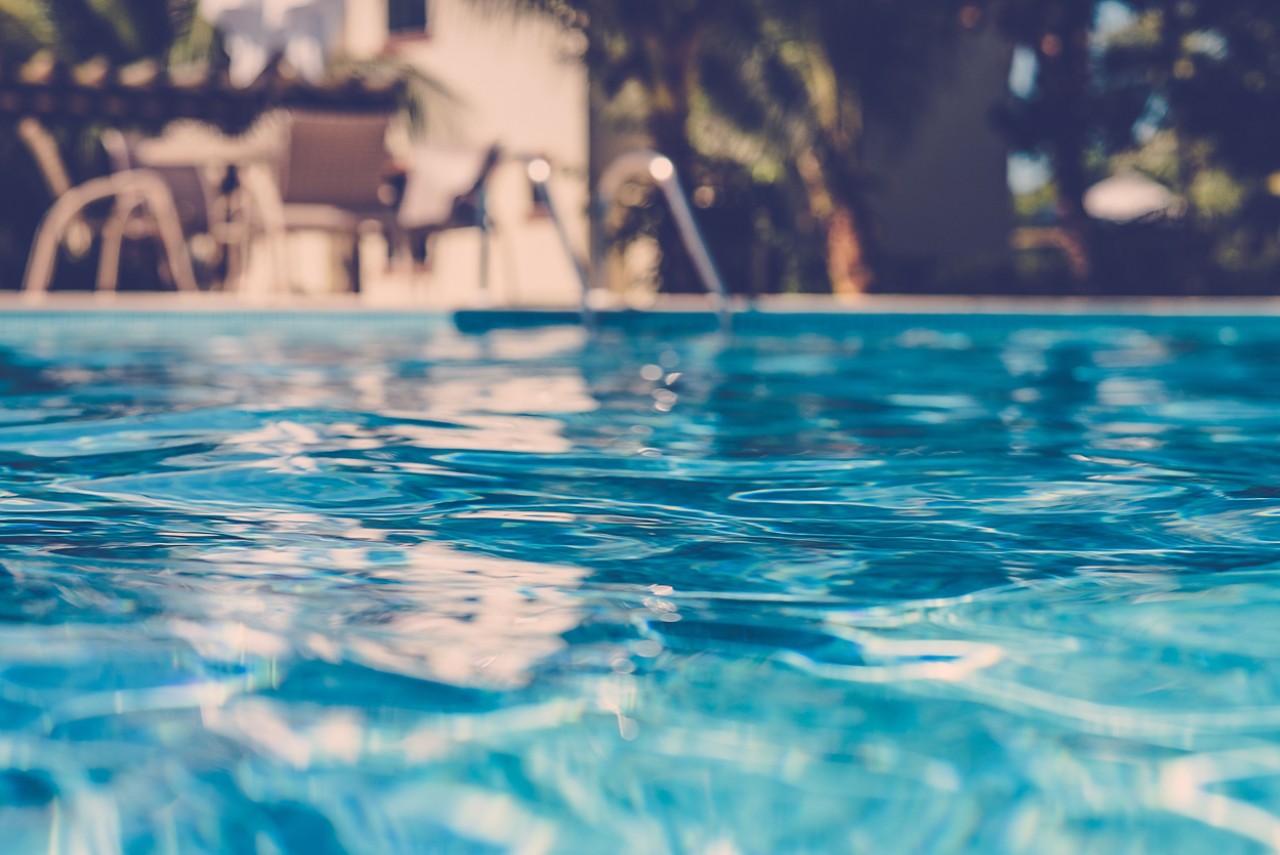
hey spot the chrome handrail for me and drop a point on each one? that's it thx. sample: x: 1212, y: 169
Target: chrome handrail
x: 635, y: 164
x: 539, y: 171
x: 662, y: 172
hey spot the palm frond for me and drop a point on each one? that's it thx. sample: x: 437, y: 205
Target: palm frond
x: 422, y: 95
x: 25, y: 26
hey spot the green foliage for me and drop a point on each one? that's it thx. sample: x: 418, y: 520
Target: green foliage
x: 25, y: 27
x: 1186, y: 93
x: 75, y: 30
x: 1036, y: 205
x: 1213, y: 67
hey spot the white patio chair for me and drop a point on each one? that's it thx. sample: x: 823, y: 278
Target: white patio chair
x: 138, y: 193
x: 446, y: 189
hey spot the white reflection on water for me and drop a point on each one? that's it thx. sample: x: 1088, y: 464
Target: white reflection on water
x: 499, y: 392
x: 893, y: 661
x: 481, y: 620
x: 1186, y: 787
x: 488, y: 433
x: 434, y: 613
x: 1171, y: 690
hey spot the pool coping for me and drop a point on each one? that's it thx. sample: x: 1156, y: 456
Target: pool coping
x: 147, y: 302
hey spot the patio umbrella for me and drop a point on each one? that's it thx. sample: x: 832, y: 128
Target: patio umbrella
x: 1129, y: 197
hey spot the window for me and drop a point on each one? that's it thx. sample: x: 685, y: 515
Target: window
x: 406, y: 17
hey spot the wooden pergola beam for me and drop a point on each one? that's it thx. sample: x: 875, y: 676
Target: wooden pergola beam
x: 146, y: 94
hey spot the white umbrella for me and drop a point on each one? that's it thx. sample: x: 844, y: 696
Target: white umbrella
x: 1129, y: 197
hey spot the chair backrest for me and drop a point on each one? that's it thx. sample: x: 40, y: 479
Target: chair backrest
x: 335, y: 159
x: 443, y: 187
x: 44, y: 151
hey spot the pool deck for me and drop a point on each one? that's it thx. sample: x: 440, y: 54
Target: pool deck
x: 147, y: 302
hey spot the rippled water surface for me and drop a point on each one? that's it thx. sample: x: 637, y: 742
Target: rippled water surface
x: 314, y: 584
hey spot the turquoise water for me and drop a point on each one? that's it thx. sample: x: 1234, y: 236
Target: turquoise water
x: 313, y: 584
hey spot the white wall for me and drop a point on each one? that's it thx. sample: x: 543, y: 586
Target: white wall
x: 515, y: 81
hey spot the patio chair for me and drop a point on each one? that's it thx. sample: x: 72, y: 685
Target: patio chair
x: 193, y: 196
x: 224, y: 187
x: 446, y: 189
x: 334, y: 176
x: 140, y: 197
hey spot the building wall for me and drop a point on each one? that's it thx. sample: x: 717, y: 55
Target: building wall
x: 515, y: 81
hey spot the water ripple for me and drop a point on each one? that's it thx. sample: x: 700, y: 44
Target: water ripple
x: 909, y: 584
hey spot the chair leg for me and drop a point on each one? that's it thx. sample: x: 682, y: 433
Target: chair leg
x: 43, y: 260
x: 165, y: 212
x: 235, y: 243
x: 400, y: 250
x: 265, y: 197
x: 112, y: 241
x: 354, y: 270
x: 403, y: 252
x: 485, y: 260
x: 486, y: 225
x: 44, y: 254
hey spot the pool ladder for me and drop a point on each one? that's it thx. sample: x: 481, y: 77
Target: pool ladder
x: 645, y: 165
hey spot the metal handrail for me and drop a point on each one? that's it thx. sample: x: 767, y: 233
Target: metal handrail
x: 539, y: 172
x: 662, y: 172
x: 636, y: 164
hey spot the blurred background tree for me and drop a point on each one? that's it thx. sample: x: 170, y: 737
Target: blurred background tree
x: 1212, y: 84
x: 1056, y: 117
x: 763, y: 104
x: 1183, y: 92
x: 806, y: 82
x: 775, y: 98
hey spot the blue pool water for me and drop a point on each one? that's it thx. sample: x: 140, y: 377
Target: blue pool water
x: 314, y: 584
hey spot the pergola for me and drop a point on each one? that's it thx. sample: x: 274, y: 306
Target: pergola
x: 146, y: 95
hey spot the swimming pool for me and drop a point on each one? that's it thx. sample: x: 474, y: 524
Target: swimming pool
x: 888, y: 583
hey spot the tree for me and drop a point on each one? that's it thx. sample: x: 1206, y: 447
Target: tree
x: 121, y: 31
x: 1184, y: 92
x: 810, y: 79
x: 1058, y: 118
x: 795, y: 82
x: 1208, y: 75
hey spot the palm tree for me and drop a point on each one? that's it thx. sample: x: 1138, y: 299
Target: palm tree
x: 75, y: 30
x: 808, y: 82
